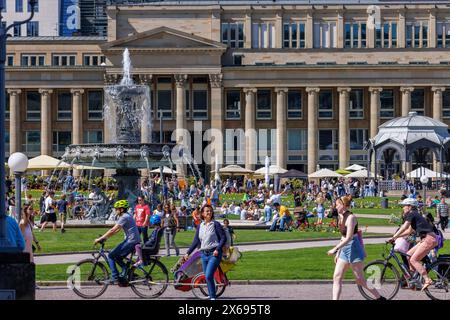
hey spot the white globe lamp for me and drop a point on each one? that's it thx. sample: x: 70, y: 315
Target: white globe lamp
x: 18, y: 162
x: 424, y: 179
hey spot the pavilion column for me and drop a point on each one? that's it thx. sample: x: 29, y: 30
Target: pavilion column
x: 217, y: 118
x: 181, y: 127
x: 437, y: 115
x: 312, y: 128
x: 109, y: 126
x: 406, y: 99
x: 77, y: 123
x: 146, y: 134
x: 46, y: 124
x: 250, y: 131
x: 374, y: 118
x: 281, y: 127
x: 344, y: 149
x: 14, y: 120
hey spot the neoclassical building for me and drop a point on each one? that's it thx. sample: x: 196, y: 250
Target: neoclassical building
x: 307, y: 84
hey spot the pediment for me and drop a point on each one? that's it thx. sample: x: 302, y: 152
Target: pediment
x: 163, y: 38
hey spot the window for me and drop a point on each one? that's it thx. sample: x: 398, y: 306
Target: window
x: 33, y: 29
x: 356, y: 107
x: 93, y: 60
x: 443, y: 34
x: 33, y: 106
x: 9, y: 60
x: 297, y: 139
x: 355, y: 35
x: 417, y: 34
x: 263, y: 35
x: 165, y: 103
x: 325, y: 35
x: 233, y: 105
x: 263, y: 105
x: 61, y: 140
x: 294, y: 104
x: 326, y: 104
x: 64, y: 106
x: 234, y: 146
x: 328, y: 145
x: 418, y: 101
x: 7, y: 106
x: 233, y: 34
x: 19, y: 5
x: 93, y: 137
x: 36, y: 7
x: 200, y: 104
x: 387, y: 103
x: 446, y: 103
x: 187, y: 100
x: 32, y: 141
x: 17, y: 30
x: 95, y: 105
x: 237, y: 59
x: 63, y: 60
x: 266, y: 141
x: 358, y: 138
x: 386, y: 37
x: 29, y: 60
x: 294, y: 35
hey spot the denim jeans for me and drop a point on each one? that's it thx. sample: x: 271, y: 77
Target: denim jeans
x: 273, y: 227
x: 268, y: 214
x: 210, y: 265
x: 144, y: 231
x: 169, y: 239
x: 284, y: 220
x: 117, y: 254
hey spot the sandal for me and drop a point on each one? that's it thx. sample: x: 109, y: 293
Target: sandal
x: 427, y: 284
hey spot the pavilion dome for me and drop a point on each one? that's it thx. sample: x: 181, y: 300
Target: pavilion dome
x: 411, y: 129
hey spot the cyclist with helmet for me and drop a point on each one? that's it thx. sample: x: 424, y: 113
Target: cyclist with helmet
x: 414, y: 221
x: 128, y: 225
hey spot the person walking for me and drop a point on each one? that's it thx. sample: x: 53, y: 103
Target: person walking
x: 49, y: 211
x: 26, y: 227
x: 170, y: 224
x: 142, y: 217
x: 62, y: 210
x: 211, y: 238
x: 442, y: 213
x: 349, y: 252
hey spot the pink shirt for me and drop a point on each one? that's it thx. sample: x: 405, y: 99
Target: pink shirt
x: 140, y: 214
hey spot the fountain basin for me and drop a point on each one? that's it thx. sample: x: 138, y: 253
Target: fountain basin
x: 120, y: 155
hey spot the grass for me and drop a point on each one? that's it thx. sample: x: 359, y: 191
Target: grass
x: 77, y: 240
x: 296, y: 264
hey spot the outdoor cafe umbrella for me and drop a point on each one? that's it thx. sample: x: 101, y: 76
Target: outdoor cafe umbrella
x: 294, y: 174
x: 166, y: 170
x: 355, y: 167
x: 44, y: 162
x: 273, y: 170
x: 324, y: 173
x: 234, y: 170
x: 419, y: 172
x: 360, y: 174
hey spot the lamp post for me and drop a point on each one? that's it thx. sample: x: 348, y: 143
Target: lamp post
x: 18, y: 163
x: 424, y: 181
x: 5, y: 245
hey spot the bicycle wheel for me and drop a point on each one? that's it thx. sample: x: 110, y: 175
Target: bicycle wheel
x: 200, y: 288
x: 439, y: 272
x: 88, y: 279
x: 149, y: 281
x: 382, y: 277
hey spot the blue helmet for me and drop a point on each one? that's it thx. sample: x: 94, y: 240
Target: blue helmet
x: 155, y: 219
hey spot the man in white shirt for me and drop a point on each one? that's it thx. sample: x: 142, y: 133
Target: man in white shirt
x: 50, y: 214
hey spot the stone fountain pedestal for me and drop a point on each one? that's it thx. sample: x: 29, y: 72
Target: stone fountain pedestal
x: 128, y: 184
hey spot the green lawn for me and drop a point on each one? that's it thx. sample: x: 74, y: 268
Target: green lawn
x: 76, y: 240
x: 297, y: 264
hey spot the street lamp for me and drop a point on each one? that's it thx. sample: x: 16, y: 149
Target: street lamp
x: 18, y: 163
x: 5, y: 245
x: 424, y: 181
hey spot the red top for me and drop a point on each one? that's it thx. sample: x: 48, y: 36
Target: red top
x: 141, y: 211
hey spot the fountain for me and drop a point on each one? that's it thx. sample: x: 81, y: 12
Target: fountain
x: 127, y: 117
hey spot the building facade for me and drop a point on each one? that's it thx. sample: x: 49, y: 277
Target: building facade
x: 306, y: 84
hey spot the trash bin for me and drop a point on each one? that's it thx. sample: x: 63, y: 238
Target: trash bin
x: 384, y: 203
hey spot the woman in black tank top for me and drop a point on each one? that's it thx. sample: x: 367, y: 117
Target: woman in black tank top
x: 349, y: 251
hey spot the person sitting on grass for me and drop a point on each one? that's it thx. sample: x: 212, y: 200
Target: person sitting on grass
x: 284, y: 217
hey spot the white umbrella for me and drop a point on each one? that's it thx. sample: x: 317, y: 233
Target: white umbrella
x: 166, y: 170
x: 44, y: 162
x: 273, y: 170
x: 419, y: 172
x: 360, y: 174
x: 234, y: 169
x: 355, y: 167
x: 325, y: 173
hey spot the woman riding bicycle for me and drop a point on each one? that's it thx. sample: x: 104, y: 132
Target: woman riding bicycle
x: 414, y: 221
x: 128, y: 225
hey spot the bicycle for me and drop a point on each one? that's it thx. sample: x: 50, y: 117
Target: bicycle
x: 385, y: 277
x: 90, y: 278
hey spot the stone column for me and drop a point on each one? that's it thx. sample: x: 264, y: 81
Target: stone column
x: 406, y: 99
x: 181, y: 136
x: 340, y: 29
x: 250, y: 131
x: 309, y: 29
x: 217, y: 116
x: 344, y: 145
x: 432, y: 29
x: 374, y: 117
x: 77, y: 123
x: 312, y: 128
x: 248, y: 30
x: 437, y: 115
x: 146, y: 79
x: 401, y: 32
x: 46, y: 122
x: 281, y: 127
x: 279, y: 30
x: 14, y: 120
